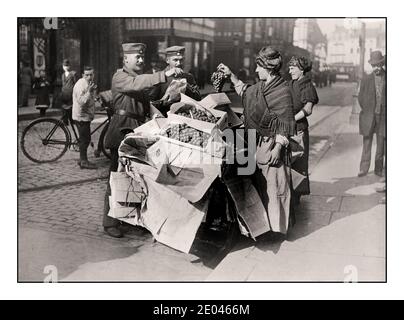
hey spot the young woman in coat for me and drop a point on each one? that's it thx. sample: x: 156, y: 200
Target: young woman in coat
x: 304, y: 96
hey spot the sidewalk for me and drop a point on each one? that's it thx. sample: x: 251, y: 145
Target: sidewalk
x: 339, y: 233
x: 83, y: 258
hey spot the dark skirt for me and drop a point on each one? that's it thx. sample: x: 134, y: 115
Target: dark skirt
x: 301, y: 165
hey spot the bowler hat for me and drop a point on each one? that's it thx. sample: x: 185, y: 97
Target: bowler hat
x: 376, y: 57
x: 175, y: 51
x: 133, y: 48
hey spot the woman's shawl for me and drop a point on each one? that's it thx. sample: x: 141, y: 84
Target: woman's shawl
x: 268, y: 108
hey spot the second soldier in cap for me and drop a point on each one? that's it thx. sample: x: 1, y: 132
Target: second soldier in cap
x: 175, y: 58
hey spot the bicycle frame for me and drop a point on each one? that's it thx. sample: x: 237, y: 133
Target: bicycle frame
x: 100, y: 125
x: 48, y: 139
x: 107, y: 120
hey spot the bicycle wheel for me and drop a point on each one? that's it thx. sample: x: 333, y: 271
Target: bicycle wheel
x: 45, y: 140
x: 101, y: 143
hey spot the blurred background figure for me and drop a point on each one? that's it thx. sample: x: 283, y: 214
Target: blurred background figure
x: 69, y: 78
x: 42, y: 88
x: 26, y: 78
x: 156, y: 64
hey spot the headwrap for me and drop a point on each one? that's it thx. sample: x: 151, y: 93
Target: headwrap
x: 269, y: 58
x: 302, y: 63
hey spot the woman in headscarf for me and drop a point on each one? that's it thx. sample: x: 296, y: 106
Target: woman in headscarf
x: 268, y: 109
x: 304, y: 96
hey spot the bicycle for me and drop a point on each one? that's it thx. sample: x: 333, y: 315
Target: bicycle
x: 47, y: 139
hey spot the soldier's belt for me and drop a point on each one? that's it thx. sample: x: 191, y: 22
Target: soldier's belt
x: 130, y: 115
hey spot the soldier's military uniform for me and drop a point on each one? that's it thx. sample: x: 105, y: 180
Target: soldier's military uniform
x: 157, y: 92
x: 131, y: 109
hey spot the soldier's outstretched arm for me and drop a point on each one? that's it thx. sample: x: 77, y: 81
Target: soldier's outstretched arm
x: 126, y: 83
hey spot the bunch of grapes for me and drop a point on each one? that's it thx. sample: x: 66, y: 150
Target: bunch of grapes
x: 184, y: 133
x: 198, y: 114
x: 218, y: 79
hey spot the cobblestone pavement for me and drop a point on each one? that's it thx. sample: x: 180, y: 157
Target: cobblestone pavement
x: 32, y: 175
x: 61, y: 197
x: 58, y: 173
x: 73, y: 209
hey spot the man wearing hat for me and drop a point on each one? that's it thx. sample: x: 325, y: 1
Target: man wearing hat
x: 372, y: 118
x: 132, y: 109
x: 175, y: 59
x: 69, y: 78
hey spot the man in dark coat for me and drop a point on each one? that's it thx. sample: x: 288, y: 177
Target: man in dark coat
x: 69, y: 79
x: 132, y: 109
x: 175, y: 57
x: 372, y: 118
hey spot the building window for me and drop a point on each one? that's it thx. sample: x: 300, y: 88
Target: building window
x: 248, y: 29
x: 290, y: 34
x: 23, y: 35
x: 205, y: 51
x: 196, y: 54
x: 246, y: 62
x: 270, y: 31
x: 257, y: 32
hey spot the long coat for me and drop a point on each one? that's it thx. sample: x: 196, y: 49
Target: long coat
x: 128, y: 94
x: 367, y: 102
x: 42, y: 88
x: 68, y: 83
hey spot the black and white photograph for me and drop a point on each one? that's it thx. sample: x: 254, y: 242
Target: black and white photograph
x: 201, y: 155
x: 208, y: 149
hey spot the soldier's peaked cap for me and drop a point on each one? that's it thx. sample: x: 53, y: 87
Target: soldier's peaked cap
x: 134, y: 48
x: 175, y: 51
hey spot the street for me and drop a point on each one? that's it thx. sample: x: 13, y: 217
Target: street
x: 60, y: 212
